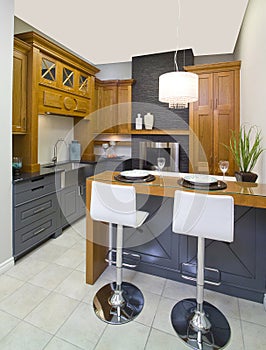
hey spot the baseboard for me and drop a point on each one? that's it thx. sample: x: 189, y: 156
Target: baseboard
x: 6, y: 265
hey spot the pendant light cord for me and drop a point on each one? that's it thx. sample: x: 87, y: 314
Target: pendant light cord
x: 177, y: 34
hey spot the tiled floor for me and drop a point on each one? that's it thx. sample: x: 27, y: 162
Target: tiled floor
x: 45, y: 304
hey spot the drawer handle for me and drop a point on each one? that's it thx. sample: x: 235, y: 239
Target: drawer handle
x: 37, y: 188
x: 37, y: 179
x: 39, y: 231
x: 39, y: 210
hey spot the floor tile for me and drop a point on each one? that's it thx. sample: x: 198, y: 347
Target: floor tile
x: 71, y: 258
x: 51, y: 276
x: 52, y: 312
x: 74, y: 286
x: 65, y: 240
x: 159, y: 340
x: 129, y: 336
x: 151, y: 302
x: 26, y: 268
x: 226, y: 304
x: 254, y: 336
x: 25, y: 337
x: 23, y: 300
x: 93, y: 289
x: 252, y: 312
x: 82, y: 267
x: 59, y: 344
x: 83, y: 328
x: 7, y: 323
x: 178, y: 291
x: 147, y: 282
x: 162, y: 320
x: 236, y: 340
x: 8, y: 285
x: 49, y: 252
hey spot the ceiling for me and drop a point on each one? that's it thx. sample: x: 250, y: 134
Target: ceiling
x: 106, y: 31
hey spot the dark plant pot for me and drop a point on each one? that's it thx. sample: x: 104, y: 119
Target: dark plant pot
x: 245, y: 177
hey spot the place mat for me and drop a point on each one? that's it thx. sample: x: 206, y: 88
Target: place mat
x: 148, y: 178
x: 219, y: 185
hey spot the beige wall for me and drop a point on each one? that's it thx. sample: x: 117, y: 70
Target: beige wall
x: 251, y: 50
x: 6, y: 44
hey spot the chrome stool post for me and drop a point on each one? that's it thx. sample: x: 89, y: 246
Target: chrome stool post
x: 117, y: 302
x: 198, y: 323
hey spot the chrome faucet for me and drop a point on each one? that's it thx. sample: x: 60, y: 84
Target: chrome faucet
x: 54, y: 159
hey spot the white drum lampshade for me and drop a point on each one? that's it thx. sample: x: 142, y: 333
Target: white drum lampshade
x: 178, y: 88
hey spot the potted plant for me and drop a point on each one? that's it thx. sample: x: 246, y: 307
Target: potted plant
x: 246, y: 148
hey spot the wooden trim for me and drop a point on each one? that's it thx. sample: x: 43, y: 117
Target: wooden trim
x: 58, y: 52
x: 215, y: 67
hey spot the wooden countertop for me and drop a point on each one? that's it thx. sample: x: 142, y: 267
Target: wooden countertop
x: 244, y: 194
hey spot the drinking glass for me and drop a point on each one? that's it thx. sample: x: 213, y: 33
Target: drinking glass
x: 160, y: 164
x: 224, y: 165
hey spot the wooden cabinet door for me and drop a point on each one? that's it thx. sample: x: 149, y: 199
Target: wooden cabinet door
x: 124, y: 107
x: 19, y: 102
x: 108, y: 112
x: 223, y: 118
x: 202, y: 127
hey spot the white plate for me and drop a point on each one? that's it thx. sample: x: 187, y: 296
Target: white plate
x: 135, y: 173
x: 200, y: 179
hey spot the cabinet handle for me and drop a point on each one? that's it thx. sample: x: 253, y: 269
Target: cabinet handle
x: 39, y: 231
x: 37, y: 179
x: 36, y: 211
x: 37, y: 188
x: 216, y: 103
x: 80, y: 190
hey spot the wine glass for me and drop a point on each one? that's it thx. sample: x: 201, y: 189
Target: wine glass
x: 224, y: 165
x: 160, y: 164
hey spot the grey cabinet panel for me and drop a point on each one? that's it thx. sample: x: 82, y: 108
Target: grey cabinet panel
x: 71, y: 204
x: 34, y: 188
x: 32, y: 211
x: 28, y: 236
x: 242, y: 262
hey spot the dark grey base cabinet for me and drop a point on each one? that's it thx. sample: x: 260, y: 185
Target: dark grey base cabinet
x: 242, y: 262
x: 42, y: 208
x: 72, y: 204
x: 36, y: 214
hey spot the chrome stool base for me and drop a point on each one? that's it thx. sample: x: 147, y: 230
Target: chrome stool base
x: 215, y: 338
x: 130, y: 308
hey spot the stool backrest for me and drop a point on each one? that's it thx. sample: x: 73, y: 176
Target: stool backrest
x: 204, y: 215
x: 113, y: 203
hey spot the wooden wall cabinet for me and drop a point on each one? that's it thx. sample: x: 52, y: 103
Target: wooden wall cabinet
x: 113, y: 106
x: 214, y: 116
x: 59, y: 83
x: 20, y: 85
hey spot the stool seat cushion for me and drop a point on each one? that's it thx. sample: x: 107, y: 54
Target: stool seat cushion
x: 115, y: 204
x: 204, y: 215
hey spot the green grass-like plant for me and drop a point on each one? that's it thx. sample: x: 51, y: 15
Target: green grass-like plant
x: 244, y: 152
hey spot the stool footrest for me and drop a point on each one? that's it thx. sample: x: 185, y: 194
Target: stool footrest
x: 136, y: 258
x: 192, y: 270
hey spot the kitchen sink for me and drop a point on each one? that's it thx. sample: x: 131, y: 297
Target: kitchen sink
x: 64, y: 166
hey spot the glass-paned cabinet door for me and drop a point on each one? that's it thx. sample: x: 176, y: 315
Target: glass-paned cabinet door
x: 68, y: 77
x: 83, y: 84
x: 48, y: 70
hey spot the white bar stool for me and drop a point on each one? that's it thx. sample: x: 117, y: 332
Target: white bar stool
x: 117, y: 302
x: 197, y: 322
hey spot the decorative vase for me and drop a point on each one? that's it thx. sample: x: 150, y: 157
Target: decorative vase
x: 245, y: 177
x: 148, y: 121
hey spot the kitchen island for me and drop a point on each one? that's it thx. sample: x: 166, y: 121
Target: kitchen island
x: 242, y: 263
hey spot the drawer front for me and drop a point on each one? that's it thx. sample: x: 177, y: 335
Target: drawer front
x: 30, y: 212
x: 35, y: 188
x: 29, y: 236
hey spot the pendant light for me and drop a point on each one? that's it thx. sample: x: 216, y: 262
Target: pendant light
x: 178, y: 88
